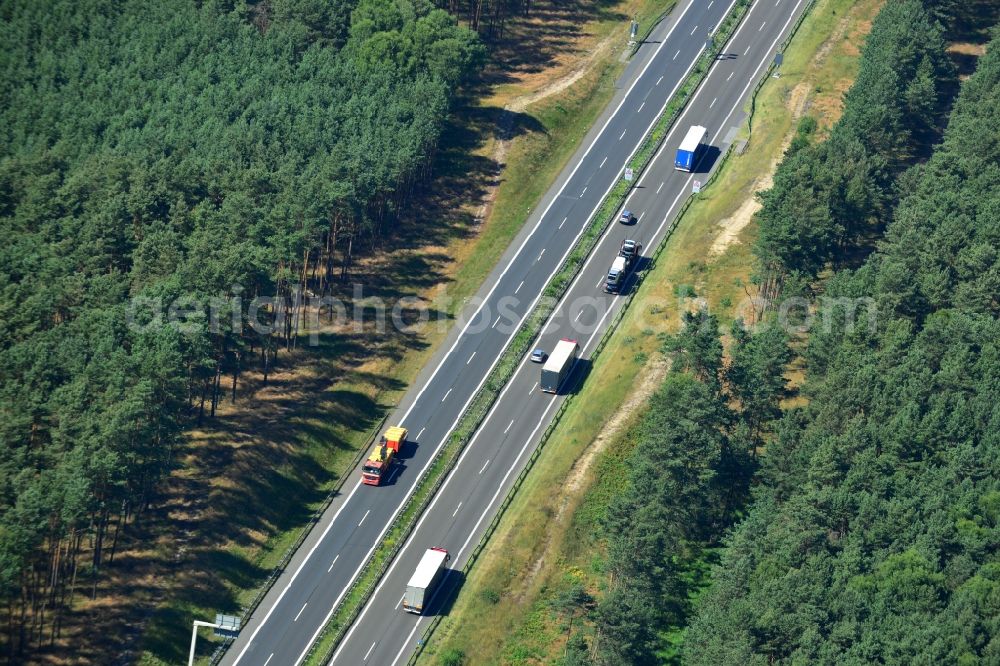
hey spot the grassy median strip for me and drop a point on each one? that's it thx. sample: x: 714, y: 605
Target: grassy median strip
x: 401, y: 528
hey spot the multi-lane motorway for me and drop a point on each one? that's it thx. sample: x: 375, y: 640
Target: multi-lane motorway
x: 298, y: 606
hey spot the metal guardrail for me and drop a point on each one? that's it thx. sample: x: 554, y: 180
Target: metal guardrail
x: 602, y: 343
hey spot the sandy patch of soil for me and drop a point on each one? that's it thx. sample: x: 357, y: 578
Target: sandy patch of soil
x: 519, y: 104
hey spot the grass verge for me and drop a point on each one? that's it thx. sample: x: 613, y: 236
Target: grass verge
x: 508, y: 611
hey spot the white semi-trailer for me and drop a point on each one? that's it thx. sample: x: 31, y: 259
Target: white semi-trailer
x: 429, y: 572
x: 558, y: 367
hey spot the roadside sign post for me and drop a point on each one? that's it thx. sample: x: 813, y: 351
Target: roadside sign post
x: 224, y: 625
x: 629, y: 174
x: 778, y: 59
x: 696, y: 187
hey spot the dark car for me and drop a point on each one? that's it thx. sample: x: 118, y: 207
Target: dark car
x: 539, y: 356
x: 627, y: 217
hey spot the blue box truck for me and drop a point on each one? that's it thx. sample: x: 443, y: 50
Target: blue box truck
x: 687, y: 153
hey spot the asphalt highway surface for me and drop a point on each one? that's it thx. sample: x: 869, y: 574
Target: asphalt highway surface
x: 304, y: 598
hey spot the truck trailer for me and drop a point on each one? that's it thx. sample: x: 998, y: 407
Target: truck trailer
x: 687, y: 153
x: 622, y: 266
x: 559, y: 365
x: 420, y: 589
x: 616, y: 275
x: 380, y: 461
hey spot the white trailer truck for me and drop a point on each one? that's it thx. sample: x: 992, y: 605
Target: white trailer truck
x: 559, y: 365
x: 420, y: 589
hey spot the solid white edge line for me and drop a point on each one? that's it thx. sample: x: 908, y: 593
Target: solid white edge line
x: 468, y: 448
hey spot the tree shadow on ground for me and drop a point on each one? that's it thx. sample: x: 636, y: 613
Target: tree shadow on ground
x: 534, y: 43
